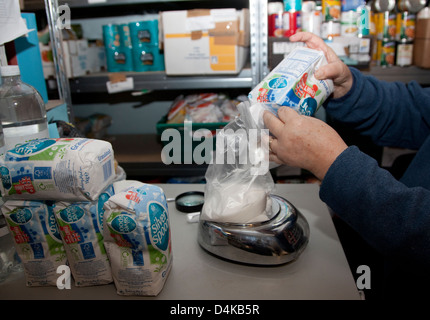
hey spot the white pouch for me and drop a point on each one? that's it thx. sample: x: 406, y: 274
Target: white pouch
x: 77, y: 169
x: 81, y: 228
x: 37, y: 240
x: 137, y: 238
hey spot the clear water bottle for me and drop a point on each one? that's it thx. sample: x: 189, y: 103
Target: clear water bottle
x: 22, y: 109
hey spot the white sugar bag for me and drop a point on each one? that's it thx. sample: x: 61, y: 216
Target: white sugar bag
x: 77, y: 169
x: 137, y: 238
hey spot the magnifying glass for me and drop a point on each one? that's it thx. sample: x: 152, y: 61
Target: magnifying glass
x: 191, y: 201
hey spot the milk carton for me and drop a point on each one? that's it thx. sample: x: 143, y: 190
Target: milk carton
x: 77, y: 169
x: 292, y: 83
x: 137, y: 238
x: 81, y: 228
x: 37, y: 240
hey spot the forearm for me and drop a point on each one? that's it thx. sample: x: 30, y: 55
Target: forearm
x: 390, y: 113
x: 393, y: 218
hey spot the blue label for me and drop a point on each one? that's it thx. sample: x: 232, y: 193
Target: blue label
x: 159, y: 225
x: 32, y: 147
x: 137, y: 257
x: 308, y: 106
x: 72, y: 214
x: 37, y: 250
x: 21, y: 216
x: 5, y: 178
x: 42, y: 173
x: 123, y: 224
x: 278, y: 83
x: 88, y: 250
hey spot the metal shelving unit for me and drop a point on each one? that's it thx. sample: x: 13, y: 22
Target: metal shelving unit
x: 249, y: 77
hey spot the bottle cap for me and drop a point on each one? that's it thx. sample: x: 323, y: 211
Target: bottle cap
x: 7, y: 71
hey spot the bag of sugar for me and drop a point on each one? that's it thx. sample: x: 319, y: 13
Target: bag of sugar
x: 37, y: 240
x: 81, y: 228
x: 137, y: 238
x: 77, y: 169
x: 292, y: 83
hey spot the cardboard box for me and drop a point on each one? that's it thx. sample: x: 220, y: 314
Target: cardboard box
x: 421, y: 53
x: 422, y: 43
x: 205, y: 41
x: 76, y: 58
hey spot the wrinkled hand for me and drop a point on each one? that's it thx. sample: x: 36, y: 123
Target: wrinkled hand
x: 303, y: 141
x: 335, y: 69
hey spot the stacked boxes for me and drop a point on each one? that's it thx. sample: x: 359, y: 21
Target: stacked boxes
x: 133, y: 47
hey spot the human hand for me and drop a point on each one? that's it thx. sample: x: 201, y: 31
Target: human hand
x: 302, y: 141
x: 335, y: 69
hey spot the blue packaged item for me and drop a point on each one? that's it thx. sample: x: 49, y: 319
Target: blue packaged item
x: 37, y: 240
x: 81, y: 228
x: 148, y: 58
x: 352, y: 4
x: 144, y: 32
x: 125, y: 47
x: 118, y: 57
x: 137, y: 238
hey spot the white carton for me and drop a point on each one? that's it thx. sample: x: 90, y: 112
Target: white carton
x: 76, y: 58
x: 205, y: 41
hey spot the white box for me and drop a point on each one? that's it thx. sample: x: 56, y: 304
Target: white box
x: 76, y: 58
x: 205, y: 41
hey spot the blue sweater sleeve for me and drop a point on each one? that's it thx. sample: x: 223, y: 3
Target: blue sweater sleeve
x: 392, y: 217
x: 391, y: 113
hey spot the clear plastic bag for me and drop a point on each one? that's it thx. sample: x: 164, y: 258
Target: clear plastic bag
x: 238, y: 181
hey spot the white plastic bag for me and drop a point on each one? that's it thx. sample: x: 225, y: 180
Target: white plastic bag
x: 238, y: 181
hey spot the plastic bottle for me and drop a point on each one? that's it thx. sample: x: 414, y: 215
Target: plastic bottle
x: 22, y: 110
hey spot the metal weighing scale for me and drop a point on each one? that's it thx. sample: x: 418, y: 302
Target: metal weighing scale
x: 279, y: 240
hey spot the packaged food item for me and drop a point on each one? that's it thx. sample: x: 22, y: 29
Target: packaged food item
x: 331, y: 10
x: 137, y: 238
x: 75, y: 169
x: 81, y: 228
x: 292, y: 83
x: 37, y: 240
x: 275, y: 10
x: 387, y: 50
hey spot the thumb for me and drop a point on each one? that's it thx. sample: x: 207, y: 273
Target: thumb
x: 286, y: 113
x: 329, y: 71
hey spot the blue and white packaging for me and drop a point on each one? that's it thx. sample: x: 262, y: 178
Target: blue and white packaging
x: 77, y: 169
x: 81, y: 228
x: 37, y: 240
x: 137, y: 238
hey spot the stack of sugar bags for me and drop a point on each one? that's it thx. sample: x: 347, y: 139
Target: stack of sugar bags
x: 54, y: 191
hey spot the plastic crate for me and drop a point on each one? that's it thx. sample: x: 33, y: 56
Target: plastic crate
x: 211, y: 126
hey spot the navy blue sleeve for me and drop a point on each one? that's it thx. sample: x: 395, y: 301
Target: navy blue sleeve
x: 391, y: 113
x: 393, y: 218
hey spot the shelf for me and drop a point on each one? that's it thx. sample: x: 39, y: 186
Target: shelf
x: 88, y: 3
x: 402, y: 74
x: 160, y: 81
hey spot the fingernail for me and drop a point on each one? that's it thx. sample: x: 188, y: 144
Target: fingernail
x: 318, y: 74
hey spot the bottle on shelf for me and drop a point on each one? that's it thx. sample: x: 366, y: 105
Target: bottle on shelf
x: 22, y: 109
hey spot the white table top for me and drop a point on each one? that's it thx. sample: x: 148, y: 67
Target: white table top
x: 321, y: 271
